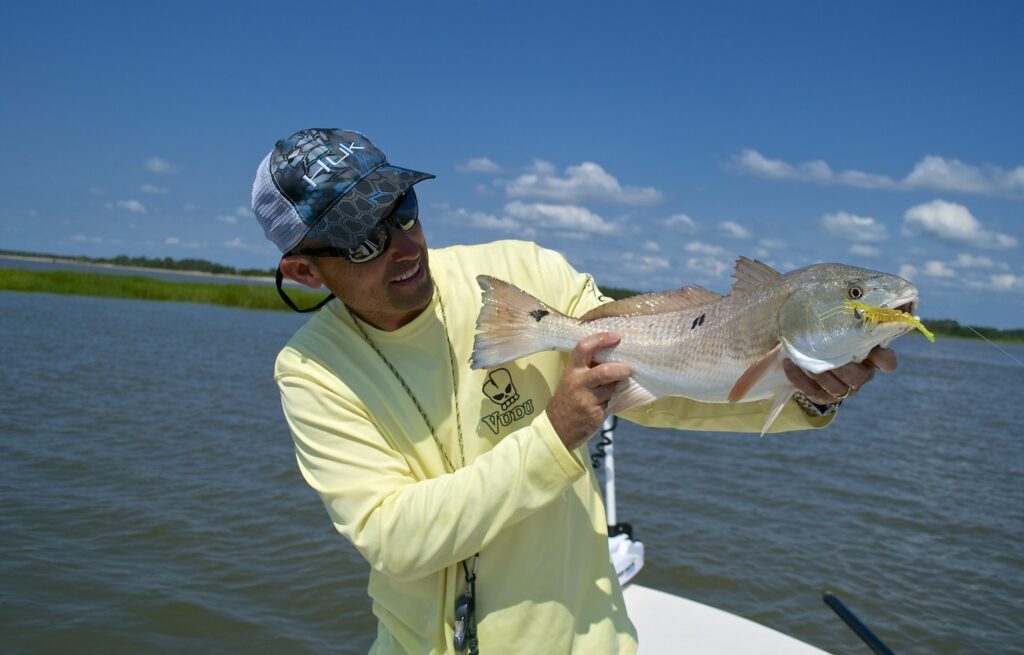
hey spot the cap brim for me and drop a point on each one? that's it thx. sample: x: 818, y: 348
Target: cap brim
x: 353, y: 217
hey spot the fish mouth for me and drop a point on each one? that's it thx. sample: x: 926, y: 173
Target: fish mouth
x: 906, y: 304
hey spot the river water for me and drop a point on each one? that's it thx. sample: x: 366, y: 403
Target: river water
x: 151, y: 502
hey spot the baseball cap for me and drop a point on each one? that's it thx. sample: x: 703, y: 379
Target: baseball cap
x: 330, y: 185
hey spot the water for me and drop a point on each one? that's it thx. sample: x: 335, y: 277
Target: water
x: 151, y: 501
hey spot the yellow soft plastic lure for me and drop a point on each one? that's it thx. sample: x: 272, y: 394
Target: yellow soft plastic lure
x: 885, y: 315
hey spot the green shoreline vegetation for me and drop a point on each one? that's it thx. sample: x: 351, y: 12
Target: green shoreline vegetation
x: 251, y: 296
x: 246, y: 296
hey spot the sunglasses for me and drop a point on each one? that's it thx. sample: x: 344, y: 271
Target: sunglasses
x: 404, y: 215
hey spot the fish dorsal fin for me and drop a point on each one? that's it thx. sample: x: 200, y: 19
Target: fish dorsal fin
x: 654, y: 303
x: 751, y: 274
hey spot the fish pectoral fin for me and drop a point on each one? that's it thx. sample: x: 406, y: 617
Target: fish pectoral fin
x: 781, y: 399
x: 754, y: 373
x: 627, y: 395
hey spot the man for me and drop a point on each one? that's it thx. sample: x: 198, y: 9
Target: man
x: 466, y: 491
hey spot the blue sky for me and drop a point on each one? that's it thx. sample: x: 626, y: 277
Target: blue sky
x: 651, y: 143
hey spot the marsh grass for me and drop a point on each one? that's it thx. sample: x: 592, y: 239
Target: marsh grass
x: 144, y: 288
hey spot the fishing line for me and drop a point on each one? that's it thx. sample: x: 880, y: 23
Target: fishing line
x: 994, y: 345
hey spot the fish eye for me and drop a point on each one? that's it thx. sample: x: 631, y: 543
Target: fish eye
x: 855, y: 292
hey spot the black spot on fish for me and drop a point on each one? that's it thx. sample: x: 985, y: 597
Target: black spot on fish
x: 698, y: 322
x: 538, y: 314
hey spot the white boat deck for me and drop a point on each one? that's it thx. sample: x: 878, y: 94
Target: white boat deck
x: 668, y: 624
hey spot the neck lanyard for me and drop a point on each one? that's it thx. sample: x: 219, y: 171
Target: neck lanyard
x: 412, y: 396
x: 465, y: 605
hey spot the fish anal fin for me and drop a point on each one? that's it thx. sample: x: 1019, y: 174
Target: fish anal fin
x: 627, y: 395
x: 654, y: 303
x: 751, y: 274
x: 780, y: 401
x: 754, y: 373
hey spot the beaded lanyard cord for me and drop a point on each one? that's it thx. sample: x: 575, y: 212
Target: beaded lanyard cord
x: 470, y: 577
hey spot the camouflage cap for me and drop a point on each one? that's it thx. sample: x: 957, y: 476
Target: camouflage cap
x: 330, y: 185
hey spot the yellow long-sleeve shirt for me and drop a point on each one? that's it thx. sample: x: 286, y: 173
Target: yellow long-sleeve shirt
x: 530, y: 508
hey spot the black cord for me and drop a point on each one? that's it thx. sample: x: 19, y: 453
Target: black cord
x: 603, y: 441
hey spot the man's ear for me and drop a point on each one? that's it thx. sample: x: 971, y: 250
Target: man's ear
x: 298, y: 269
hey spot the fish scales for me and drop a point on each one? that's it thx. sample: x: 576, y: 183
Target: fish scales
x: 711, y: 348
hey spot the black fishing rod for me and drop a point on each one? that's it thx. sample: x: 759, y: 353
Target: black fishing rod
x: 861, y: 630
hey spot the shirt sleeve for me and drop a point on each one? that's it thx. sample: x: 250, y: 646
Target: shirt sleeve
x: 405, y: 527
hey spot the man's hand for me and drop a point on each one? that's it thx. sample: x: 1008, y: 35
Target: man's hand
x: 578, y: 406
x: 837, y: 384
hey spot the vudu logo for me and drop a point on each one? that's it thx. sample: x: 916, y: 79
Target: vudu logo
x: 502, y: 392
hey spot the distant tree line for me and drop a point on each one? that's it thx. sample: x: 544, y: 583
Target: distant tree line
x: 168, y: 263
x: 953, y: 328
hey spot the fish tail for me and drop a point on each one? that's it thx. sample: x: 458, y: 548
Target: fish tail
x: 512, y: 324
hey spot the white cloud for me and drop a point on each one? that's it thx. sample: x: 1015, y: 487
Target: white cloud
x: 161, y: 166
x: 703, y: 248
x: 478, y: 165
x: 1006, y: 282
x: 946, y: 175
x: 149, y: 188
x: 681, y: 222
x: 588, y: 181
x: 708, y: 265
x: 133, y: 206
x: 908, y: 271
x: 932, y: 172
x: 864, y: 250
x: 541, y: 167
x: 863, y: 229
x: 644, y: 263
x: 953, y: 222
x: 965, y: 260
x: 228, y: 218
x: 935, y: 268
x: 238, y: 243
x: 652, y: 246
x: 81, y: 238
x: 754, y: 163
x: 568, y: 217
x: 772, y: 244
x: 734, y: 230
x: 489, y: 221
x: 175, y: 241
x: 96, y: 191
x: 244, y: 212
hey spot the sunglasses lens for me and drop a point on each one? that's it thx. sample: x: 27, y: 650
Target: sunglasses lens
x: 404, y: 216
x: 371, y: 248
x: 407, y: 212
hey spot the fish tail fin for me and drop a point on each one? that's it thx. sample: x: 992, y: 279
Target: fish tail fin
x: 780, y: 401
x: 507, y: 327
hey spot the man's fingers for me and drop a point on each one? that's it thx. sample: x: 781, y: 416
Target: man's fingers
x: 853, y: 375
x: 831, y: 384
x: 883, y: 359
x: 585, y: 349
x: 805, y: 384
x: 607, y: 374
